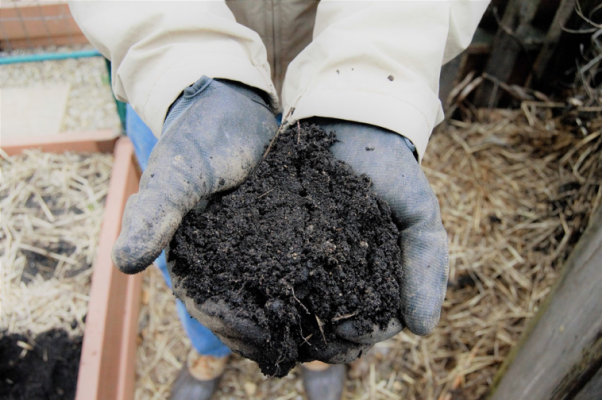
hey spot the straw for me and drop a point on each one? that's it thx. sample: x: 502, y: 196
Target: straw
x: 516, y: 189
x: 51, y: 212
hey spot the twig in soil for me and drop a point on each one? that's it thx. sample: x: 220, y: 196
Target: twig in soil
x: 298, y: 132
x: 242, y: 287
x: 346, y: 316
x: 298, y: 301
x: 305, y: 339
x: 265, y: 194
x: 267, y: 151
x: 277, y: 365
x: 321, y: 330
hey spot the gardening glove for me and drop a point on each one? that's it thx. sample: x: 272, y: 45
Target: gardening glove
x: 389, y: 160
x: 213, y: 137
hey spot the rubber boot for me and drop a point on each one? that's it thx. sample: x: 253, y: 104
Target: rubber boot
x: 323, y: 381
x: 199, y: 378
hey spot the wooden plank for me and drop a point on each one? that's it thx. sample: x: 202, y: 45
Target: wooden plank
x: 564, y: 12
x: 39, y: 42
x: 563, y: 352
x: 108, y: 352
x: 593, y: 390
x: 127, y: 362
x: 506, y: 48
x: 34, y: 23
x: 449, y: 78
x: 95, y: 141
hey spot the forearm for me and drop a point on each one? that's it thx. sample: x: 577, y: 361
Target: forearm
x: 379, y: 63
x: 159, y: 48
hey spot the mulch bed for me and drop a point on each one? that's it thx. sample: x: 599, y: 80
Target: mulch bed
x: 45, y: 368
x: 52, y: 208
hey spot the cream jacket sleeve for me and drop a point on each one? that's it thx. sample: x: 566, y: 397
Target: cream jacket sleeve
x: 159, y: 48
x: 379, y: 63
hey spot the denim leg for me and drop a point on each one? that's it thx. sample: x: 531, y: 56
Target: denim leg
x: 141, y: 136
x: 202, y: 339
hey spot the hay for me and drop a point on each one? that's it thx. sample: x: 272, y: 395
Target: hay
x: 516, y: 190
x: 51, y: 212
x: 163, y: 344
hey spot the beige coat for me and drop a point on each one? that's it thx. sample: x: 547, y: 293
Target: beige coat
x: 376, y: 62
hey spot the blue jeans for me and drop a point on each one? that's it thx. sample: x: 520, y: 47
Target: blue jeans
x: 202, y: 339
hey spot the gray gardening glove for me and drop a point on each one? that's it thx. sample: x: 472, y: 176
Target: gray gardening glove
x: 213, y: 137
x: 388, y: 159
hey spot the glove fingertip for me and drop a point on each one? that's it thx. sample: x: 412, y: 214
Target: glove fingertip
x: 346, y: 330
x: 126, y: 263
x: 422, y: 325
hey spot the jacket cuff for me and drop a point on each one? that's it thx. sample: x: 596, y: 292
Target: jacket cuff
x: 371, y: 108
x: 186, y: 71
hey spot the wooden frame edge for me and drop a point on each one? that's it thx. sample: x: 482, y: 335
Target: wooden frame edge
x: 107, y: 366
x: 102, y: 141
x: 108, y: 358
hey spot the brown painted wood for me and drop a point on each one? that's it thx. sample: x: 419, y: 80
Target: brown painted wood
x: 562, y: 356
x: 41, y: 42
x: 36, y: 23
x: 127, y: 362
x: 94, y: 141
x: 108, y: 353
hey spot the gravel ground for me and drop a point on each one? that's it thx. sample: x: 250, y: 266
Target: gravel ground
x: 90, y: 105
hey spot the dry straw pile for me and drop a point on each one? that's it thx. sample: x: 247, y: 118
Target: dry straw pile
x: 516, y: 190
x: 52, y: 208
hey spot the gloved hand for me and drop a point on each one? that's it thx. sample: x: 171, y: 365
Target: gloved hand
x: 246, y: 338
x: 213, y: 137
x: 388, y: 159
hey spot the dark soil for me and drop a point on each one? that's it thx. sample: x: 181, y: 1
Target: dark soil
x: 48, y: 372
x: 45, y: 266
x: 303, y: 237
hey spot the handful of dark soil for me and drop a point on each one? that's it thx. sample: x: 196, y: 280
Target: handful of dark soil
x: 45, y: 371
x: 304, y: 244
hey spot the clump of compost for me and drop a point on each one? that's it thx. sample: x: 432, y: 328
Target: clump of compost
x: 304, y: 244
x: 43, y: 370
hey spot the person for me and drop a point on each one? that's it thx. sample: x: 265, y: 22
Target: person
x: 203, y: 81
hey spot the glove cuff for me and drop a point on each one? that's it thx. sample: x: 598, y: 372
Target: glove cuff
x: 192, y: 92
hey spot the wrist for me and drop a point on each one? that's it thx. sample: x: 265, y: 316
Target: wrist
x: 197, y: 90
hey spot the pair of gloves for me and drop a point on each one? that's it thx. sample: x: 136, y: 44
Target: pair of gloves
x: 213, y: 137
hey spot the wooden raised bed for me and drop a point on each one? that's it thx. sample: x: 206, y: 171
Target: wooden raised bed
x: 27, y: 24
x: 107, y: 366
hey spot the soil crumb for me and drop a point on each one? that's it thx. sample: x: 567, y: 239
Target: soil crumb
x: 45, y: 369
x: 304, y: 241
